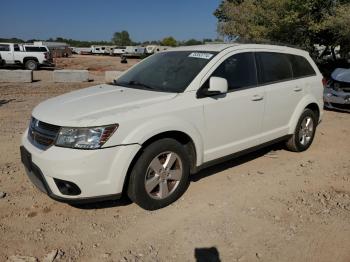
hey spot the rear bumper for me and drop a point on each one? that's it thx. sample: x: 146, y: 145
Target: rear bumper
x: 48, y: 64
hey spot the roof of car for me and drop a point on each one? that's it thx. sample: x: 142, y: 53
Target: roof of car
x: 221, y: 47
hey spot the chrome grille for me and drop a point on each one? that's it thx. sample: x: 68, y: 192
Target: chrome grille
x: 41, y: 134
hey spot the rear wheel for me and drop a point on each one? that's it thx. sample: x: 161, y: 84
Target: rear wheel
x: 31, y: 65
x: 160, y: 175
x: 304, y: 132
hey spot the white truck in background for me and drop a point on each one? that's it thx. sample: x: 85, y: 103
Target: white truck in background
x: 29, y: 56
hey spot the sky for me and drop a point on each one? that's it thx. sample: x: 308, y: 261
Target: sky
x: 99, y: 19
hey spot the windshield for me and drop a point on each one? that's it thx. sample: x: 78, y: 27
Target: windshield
x: 166, y: 72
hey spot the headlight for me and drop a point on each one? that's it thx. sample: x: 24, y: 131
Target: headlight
x: 86, y: 137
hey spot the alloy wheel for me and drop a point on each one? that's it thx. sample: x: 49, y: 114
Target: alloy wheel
x: 306, y: 131
x: 163, y: 175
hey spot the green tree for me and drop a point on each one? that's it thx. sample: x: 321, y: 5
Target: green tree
x: 169, y: 41
x: 339, y: 25
x: 193, y: 42
x: 121, y: 38
x: 297, y: 22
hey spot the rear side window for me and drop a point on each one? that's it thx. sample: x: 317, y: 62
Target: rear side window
x: 4, y: 47
x: 16, y: 48
x: 35, y: 49
x: 273, y: 67
x: 239, y: 70
x: 301, y: 67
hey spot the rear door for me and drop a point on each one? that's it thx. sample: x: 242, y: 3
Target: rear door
x: 283, y: 93
x: 233, y: 121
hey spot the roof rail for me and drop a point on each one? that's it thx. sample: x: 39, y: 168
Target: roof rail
x: 265, y: 41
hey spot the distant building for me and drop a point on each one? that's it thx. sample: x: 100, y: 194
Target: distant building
x: 57, y: 49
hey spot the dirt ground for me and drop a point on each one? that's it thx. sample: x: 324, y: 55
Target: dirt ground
x: 94, y: 63
x: 272, y: 205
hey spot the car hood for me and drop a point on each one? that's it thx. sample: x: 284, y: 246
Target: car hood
x: 97, y: 105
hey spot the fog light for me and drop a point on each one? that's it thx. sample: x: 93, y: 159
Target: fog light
x: 67, y: 188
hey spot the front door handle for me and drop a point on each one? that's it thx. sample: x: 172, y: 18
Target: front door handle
x: 297, y: 89
x: 257, y: 98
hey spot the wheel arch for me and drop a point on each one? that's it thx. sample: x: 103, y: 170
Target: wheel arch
x: 307, y: 102
x: 30, y: 58
x: 180, y: 136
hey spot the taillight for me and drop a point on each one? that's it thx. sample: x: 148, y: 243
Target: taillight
x: 324, y: 82
x: 46, y: 55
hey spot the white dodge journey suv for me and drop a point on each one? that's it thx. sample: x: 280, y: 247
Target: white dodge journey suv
x: 169, y: 116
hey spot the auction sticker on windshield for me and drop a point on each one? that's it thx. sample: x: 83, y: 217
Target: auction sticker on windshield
x: 201, y: 55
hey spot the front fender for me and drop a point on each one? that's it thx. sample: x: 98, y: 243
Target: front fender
x: 160, y: 125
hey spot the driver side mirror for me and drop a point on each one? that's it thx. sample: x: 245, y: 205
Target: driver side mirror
x: 217, y: 86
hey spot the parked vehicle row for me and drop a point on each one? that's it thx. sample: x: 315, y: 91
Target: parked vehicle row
x: 29, y: 56
x: 169, y: 116
x: 128, y: 51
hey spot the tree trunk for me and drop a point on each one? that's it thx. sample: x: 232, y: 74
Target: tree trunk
x: 333, y: 53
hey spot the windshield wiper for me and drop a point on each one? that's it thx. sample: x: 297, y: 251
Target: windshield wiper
x: 136, y: 83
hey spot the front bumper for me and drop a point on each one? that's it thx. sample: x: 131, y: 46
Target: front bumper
x: 336, y: 99
x: 99, y: 174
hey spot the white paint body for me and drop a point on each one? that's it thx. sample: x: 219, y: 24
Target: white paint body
x: 217, y: 127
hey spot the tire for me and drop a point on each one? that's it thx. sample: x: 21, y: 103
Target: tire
x: 304, y: 132
x: 152, y: 172
x: 31, y: 65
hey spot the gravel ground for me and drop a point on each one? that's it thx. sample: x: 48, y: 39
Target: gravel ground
x: 272, y: 205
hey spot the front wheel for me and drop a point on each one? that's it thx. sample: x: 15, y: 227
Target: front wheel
x: 304, y: 132
x: 160, y: 175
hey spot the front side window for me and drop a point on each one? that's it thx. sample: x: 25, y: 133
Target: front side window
x: 166, y: 72
x: 4, y: 47
x: 16, y: 48
x: 239, y: 70
x: 273, y: 67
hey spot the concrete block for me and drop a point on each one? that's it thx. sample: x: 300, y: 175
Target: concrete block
x: 110, y: 76
x: 16, y: 76
x: 69, y: 76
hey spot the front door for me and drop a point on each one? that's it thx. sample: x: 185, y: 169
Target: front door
x: 233, y: 121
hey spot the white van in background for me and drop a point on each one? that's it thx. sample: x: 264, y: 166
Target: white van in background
x: 101, y: 50
x: 134, y: 52
x: 119, y: 50
x: 153, y: 49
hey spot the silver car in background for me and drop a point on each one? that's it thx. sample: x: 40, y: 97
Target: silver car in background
x: 337, y: 90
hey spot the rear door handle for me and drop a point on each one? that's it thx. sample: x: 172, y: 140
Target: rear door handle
x: 297, y: 89
x: 257, y: 98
